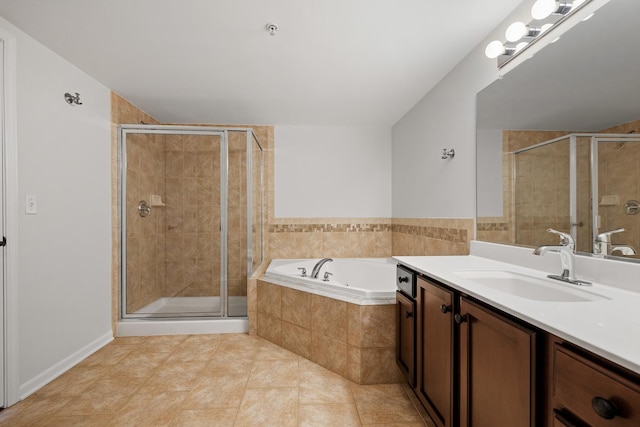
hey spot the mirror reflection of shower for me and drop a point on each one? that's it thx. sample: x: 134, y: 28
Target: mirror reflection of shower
x: 580, y: 184
x: 188, y: 251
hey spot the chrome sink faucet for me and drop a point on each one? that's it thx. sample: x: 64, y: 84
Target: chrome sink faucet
x: 318, y: 266
x: 602, y: 245
x: 567, y: 250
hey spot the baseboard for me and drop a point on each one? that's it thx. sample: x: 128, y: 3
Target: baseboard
x: 63, y: 366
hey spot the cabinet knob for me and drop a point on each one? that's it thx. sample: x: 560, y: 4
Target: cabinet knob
x: 408, y: 314
x: 445, y: 308
x: 604, y: 408
x: 460, y: 318
x: 403, y: 279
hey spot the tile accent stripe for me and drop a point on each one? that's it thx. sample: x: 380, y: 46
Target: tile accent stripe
x: 440, y: 233
x: 493, y: 226
x: 457, y: 235
x: 328, y: 228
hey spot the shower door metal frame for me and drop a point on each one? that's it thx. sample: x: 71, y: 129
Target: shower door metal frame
x: 223, y: 133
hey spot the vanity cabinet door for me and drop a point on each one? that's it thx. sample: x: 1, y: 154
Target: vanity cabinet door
x: 497, y: 369
x: 406, y: 337
x: 435, y: 351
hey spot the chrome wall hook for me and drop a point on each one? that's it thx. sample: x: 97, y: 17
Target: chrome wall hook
x: 72, y: 99
x: 448, y: 154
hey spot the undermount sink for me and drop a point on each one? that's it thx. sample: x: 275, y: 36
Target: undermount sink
x: 528, y: 287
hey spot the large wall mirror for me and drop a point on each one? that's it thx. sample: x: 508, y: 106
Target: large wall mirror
x: 558, y: 140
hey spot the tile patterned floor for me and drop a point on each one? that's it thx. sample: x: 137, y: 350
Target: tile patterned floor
x: 208, y: 380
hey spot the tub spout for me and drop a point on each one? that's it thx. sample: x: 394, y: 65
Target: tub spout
x: 318, y: 266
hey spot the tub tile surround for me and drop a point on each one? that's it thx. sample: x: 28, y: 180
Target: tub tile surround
x: 357, y: 342
x: 232, y: 380
x: 368, y: 237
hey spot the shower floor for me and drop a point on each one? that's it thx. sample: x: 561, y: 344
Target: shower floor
x: 193, y: 306
x: 186, y: 315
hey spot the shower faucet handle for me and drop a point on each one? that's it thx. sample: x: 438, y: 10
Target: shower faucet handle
x: 303, y: 273
x: 326, y: 276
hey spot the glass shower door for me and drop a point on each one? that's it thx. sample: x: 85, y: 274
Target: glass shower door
x: 172, y: 253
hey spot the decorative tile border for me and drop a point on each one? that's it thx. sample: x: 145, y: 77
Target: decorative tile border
x: 450, y: 234
x: 457, y: 235
x: 328, y: 228
x: 493, y: 226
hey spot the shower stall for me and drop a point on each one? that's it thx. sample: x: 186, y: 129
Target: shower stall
x: 191, y: 221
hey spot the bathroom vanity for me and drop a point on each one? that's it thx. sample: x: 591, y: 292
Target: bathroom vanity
x: 492, y: 343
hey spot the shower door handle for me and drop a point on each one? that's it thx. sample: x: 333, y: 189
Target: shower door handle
x: 4, y: 241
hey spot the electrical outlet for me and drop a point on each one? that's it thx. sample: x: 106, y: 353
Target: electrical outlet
x: 32, y: 205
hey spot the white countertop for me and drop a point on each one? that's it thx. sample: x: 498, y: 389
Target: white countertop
x: 608, y: 326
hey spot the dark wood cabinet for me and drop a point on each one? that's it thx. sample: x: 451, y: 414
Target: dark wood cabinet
x: 497, y: 369
x: 476, y: 366
x: 585, y: 389
x: 435, y: 344
x: 406, y: 337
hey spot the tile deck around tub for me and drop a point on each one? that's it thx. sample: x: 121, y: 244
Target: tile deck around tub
x: 208, y: 380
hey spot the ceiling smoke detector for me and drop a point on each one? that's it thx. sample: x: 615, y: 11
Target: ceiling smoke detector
x: 272, y: 28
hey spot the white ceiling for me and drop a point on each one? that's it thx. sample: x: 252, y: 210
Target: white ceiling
x: 332, y: 62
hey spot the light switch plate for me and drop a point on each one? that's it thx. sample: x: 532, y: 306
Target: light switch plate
x: 32, y: 205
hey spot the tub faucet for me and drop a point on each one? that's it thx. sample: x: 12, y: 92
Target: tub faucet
x: 318, y: 266
x: 567, y: 250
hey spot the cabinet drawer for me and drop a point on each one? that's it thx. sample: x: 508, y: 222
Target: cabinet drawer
x: 584, y: 388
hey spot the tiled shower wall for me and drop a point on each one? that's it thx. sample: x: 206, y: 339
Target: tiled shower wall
x: 534, y: 196
x: 192, y: 195
x: 145, y: 235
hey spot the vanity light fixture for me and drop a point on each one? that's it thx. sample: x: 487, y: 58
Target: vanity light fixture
x: 546, y: 14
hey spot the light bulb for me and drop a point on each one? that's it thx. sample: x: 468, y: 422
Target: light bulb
x: 516, y: 31
x: 543, y: 8
x: 494, y: 49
